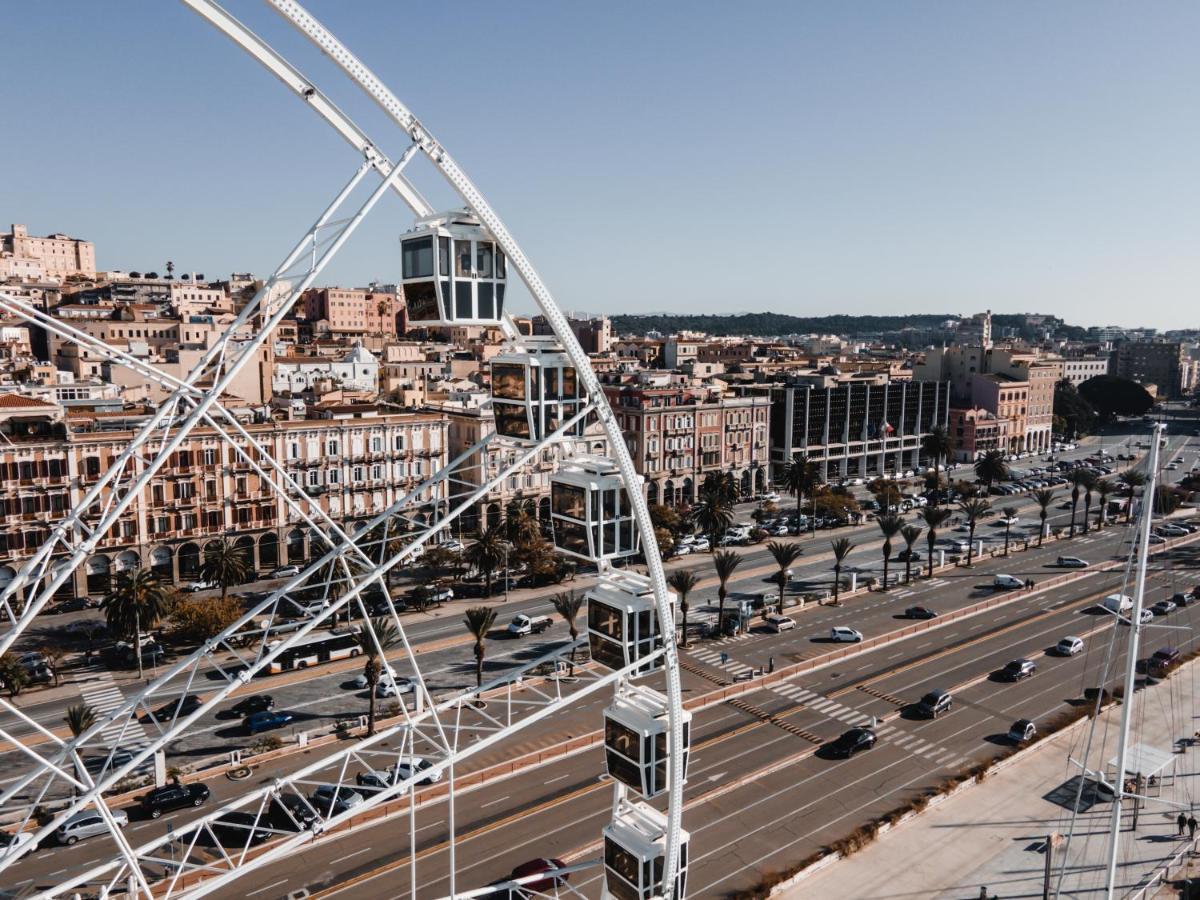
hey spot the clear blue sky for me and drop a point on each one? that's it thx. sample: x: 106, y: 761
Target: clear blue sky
x: 719, y: 157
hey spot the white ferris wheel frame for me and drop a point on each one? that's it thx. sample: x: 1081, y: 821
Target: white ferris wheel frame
x: 188, y: 406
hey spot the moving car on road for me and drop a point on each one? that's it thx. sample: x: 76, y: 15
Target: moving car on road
x: 1163, y: 607
x: 532, y: 888
x: 1069, y: 646
x: 332, y: 800
x: 1021, y: 731
x: 522, y: 625
x: 85, y: 824
x: 1071, y: 562
x: 177, y: 709
x: 387, y: 689
x: 1162, y: 662
x: 850, y: 742
x: 1007, y: 583
x: 1018, y: 669
x: 252, y: 704
x: 844, y: 634
x: 934, y: 704
x: 237, y: 829
x: 780, y: 624
x: 173, y: 796
x: 13, y: 844
x: 919, y: 612
x: 266, y: 721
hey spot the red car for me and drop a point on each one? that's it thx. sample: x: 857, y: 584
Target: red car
x: 534, y: 867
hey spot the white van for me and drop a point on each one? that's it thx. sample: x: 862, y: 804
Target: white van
x: 1007, y: 583
x: 523, y: 624
x: 1118, y: 603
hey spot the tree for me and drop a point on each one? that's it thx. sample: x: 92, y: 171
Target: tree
x: 13, y: 674
x: 886, y: 493
x: 1132, y: 479
x: 1076, y: 414
x: 170, y: 269
x: 934, y: 518
x: 910, y: 533
x: 683, y: 581
x: 937, y: 444
x: 194, y: 621
x: 801, y: 476
x: 724, y: 562
x: 974, y: 510
x: 1112, y: 395
x: 841, y: 549
x: 784, y: 555
x: 224, y: 564
x: 375, y: 647
x: 486, y: 555
x: 137, y: 601
x: 1078, y: 478
x: 567, y: 604
x: 1104, y: 490
x: 381, y: 307
x: 1088, y: 487
x: 991, y: 467
x: 1010, y: 514
x: 521, y: 522
x: 479, y: 621
x: 890, y: 525
x: 79, y: 718
x: 1043, y: 498
x: 721, y: 484
x: 713, y: 514
x: 666, y: 517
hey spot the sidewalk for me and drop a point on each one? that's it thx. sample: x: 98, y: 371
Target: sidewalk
x: 992, y: 835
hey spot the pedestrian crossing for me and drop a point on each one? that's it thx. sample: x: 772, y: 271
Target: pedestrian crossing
x: 910, y: 743
x: 907, y: 592
x: 103, y: 695
x: 936, y: 582
x: 713, y: 658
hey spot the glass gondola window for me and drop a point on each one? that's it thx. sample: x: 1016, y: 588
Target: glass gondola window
x: 444, y: 256
x: 418, y: 257
x: 627, y: 868
x: 421, y: 301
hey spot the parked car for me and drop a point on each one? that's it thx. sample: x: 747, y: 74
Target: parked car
x: 780, y: 624
x: 919, y: 612
x: 1163, y: 607
x: 844, y: 634
x: 523, y: 624
x: 285, y: 571
x: 1021, y: 731
x: 934, y: 703
x: 331, y: 800
x: 266, y: 721
x: 1071, y: 562
x: 1146, y: 617
x: 237, y: 829
x: 1069, y: 646
x: 174, y: 796
x: 1018, y: 669
x: 291, y: 813
x: 85, y: 824
x: 253, y: 704
x: 197, y: 586
x: 909, y: 556
x: 378, y: 779
x: 701, y: 545
x: 1007, y: 583
x: 852, y: 741
x: 386, y: 688
x: 1182, y: 598
x: 1162, y: 662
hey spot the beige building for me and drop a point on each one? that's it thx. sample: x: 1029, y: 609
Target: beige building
x: 59, y: 255
x: 356, y: 311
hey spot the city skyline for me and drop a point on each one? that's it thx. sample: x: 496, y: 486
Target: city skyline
x: 955, y: 159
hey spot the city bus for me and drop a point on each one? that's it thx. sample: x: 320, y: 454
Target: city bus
x: 313, y: 649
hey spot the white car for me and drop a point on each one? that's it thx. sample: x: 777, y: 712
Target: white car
x: 700, y: 545
x: 453, y: 546
x: 681, y: 549
x: 13, y: 844
x: 385, y: 688
x: 780, y: 624
x: 85, y: 824
x: 1007, y: 583
x: 843, y: 634
x: 1072, y: 562
x: 1172, y: 531
x: 196, y: 586
x: 1069, y: 646
x: 772, y: 498
x: 285, y: 572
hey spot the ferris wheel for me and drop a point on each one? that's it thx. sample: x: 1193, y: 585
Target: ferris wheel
x: 455, y: 267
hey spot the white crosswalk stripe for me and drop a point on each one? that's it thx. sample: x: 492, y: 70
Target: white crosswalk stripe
x: 104, y: 696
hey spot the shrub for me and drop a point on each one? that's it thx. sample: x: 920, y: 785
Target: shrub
x: 265, y: 744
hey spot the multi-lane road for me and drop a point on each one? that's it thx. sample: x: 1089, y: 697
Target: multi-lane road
x: 800, y: 801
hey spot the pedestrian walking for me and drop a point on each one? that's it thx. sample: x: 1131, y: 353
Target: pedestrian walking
x: 1181, y: 821
x: 1192, y: 823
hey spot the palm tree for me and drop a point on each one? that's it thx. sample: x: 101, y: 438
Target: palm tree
x: 974, y: 510
x: 521, y: 522
x: 138, y: 600
x: 1079, y: 478
x: 713, y: 514
x: 1104, y: 489
x: 801, y: 476
x: 1043, y: 498
x: 1132, y: 479
x: 785, y: 555
x: 80, y: 718
x: 375, y: 647
x: 890, y: 525
x: 937, y: 444
x: 486, y: 555
x: 1010, y: 513
x: 724, y: 562
x: 1088, y: 487
x: 991, y: 467
x: 567, y: 604
x: 841, y: 549
x: 381, y: 307
x: 910, y: 533
x: 934, y: 518
x: 479, y: 621
x: 224, y: 564
x: 683, y: 581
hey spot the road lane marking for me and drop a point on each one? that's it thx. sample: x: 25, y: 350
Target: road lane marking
x: 269, y: 886
x: 493, y: 802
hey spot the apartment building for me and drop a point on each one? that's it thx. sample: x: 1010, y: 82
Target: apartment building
x: 975, y: 431
x: 58, y: 255
x: 357, y: 311
x: 854, y: 425
x: 1158, y: 363
x: 351, y: 467
x: 1078, y: 369
x: 679, y: 435
x: 1007, y: 399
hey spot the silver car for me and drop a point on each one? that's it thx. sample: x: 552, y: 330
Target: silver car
x: 85, y: 824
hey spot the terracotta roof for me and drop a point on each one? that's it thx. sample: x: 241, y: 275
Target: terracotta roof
x: 17, y: 401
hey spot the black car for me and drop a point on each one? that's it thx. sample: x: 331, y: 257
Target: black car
x: 1183, y: 599
x: 1018, y: 669
x: 934, y: 704
x: 1163, y: 607
x: 184, y: 706
x: 852, y: 741
x: 291, y: 813
x: 173, y: 796
x: 909, y: 556
x: 236, y: 829
x: 252, y: 704
x: 919, y: 612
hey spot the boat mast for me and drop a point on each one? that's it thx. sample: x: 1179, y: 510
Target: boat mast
x: 1145, y: 523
